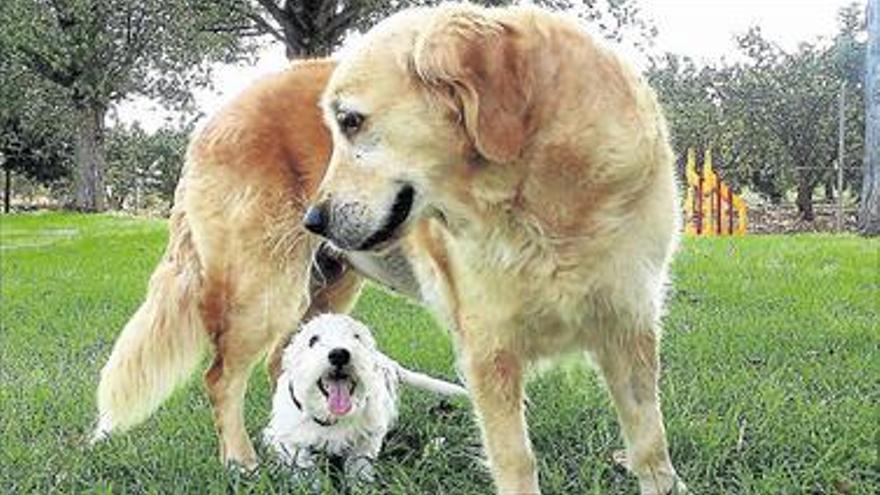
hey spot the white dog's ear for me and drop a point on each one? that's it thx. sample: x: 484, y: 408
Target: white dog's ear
x: 287, y: 359
x: 292, y: 348
x: 477, y: 65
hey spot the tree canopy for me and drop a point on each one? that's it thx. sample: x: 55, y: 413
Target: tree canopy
x: 772, y: 116
x: 144, y: 167
x: 317, y: 27
x: 95, y: 52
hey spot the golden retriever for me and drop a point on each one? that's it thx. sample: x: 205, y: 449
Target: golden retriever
x: 236, y: 276
x: 515, y: 175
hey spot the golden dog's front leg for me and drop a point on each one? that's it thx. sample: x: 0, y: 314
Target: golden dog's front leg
x: 495, y: 380
x: 630, y: 365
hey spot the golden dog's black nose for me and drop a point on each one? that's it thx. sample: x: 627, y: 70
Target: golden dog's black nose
x: 339, y: 357
x: 315, y: 220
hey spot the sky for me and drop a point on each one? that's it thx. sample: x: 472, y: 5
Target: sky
x: 705, y: 29
x: 701, y: 29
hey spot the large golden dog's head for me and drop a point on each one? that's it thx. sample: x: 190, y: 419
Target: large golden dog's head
x: 430, y: 97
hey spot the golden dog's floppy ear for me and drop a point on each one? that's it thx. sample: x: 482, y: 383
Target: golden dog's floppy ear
x: 476, y: 63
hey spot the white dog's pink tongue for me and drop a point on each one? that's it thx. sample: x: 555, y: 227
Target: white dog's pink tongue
x: 339, y: 397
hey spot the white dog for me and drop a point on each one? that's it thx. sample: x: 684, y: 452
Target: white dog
x: 337, y: 394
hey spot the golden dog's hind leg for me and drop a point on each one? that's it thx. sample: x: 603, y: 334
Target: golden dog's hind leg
x: 226, y: 381
x: 495, y: 381
x: 630, y: 366
x: 241, y: 332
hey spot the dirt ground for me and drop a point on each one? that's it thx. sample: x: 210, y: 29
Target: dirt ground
x: 784, y: 219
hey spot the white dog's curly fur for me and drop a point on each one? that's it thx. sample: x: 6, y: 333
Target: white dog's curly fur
x: 337, y: 394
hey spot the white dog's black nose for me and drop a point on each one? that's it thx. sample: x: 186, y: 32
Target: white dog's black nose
x: 315, y: 219
x: 339, y: 357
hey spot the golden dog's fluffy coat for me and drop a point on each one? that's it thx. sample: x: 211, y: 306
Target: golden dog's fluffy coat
x: 538, y: 218
x: 545, y: 210
x: 236, y: 271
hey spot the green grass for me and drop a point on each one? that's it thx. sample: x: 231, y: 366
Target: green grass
x: 771, y: 376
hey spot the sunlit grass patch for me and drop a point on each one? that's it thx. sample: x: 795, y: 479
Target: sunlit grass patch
x: 771, y: 359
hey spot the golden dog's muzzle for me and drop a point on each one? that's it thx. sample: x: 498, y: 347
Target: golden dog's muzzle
x: 352, y: 226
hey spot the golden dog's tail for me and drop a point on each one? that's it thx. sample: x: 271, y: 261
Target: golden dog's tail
x: 162, y: 343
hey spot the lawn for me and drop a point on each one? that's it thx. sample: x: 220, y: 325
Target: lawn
x: 771, y: 384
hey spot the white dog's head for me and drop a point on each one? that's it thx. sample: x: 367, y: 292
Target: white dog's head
x: 333, y: 366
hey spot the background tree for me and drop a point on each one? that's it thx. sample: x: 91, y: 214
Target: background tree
x: 700, y: 118
x: 144, y: 167
x: 707, y: 107
x: 747, y: 153
x: 869, y: 214
x: 35, y: 141
x: 98, y: 51
x: 771, y: 119
x: 36, y: 154
x: 686, y: 92
x: 792, y: 97
x: 847, y: 54
x: 309, y: 28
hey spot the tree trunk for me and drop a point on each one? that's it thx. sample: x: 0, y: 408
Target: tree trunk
x: 805, y: 199
x: 869, y: 213
x: 7, y: 190
x: 90, y: 163
x: 294, y: 52
x: 829, y: 189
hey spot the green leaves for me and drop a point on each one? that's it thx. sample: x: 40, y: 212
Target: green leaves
x: 84, y: 55
x: 104, y: 50
x: 144, y: 168
x: 771, y: 116
x: 317, y: 28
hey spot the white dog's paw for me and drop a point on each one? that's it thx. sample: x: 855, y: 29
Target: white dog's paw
x: 98, y: 436
x: 309, y: 477
x: 101, y: 432
x: 301, y: 467
x: 360, y: 469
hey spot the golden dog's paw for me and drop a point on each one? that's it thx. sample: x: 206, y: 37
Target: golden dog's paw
x: 244, y: 467
x: 621, y: 460
x: 658, y: 484
x: 671, y: 486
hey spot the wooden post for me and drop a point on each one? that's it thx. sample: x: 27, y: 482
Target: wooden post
x: 730, y: 211
x: 137, y: 190
x: 841, y: 150
x: 718, y: 229
x: 7, y: 190
x: 698, y: 217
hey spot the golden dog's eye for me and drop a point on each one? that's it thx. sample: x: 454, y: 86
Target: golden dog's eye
x: 349, y: 122
x: 313, y: 341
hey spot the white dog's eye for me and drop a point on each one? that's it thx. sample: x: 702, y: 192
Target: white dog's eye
x: 357, y: 336
x: 313, y: 341
x: 349, y: 122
